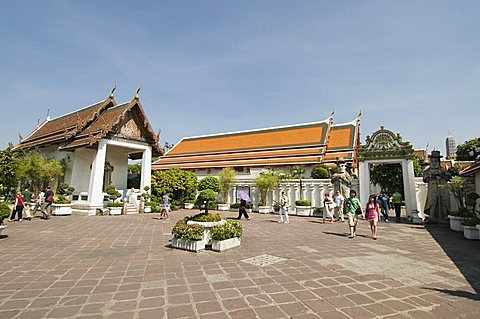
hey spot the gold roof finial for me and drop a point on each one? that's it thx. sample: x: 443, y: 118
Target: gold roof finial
x: 138, y: 91
x: 113, y: 90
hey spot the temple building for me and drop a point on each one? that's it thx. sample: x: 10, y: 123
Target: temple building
x: 249, y: 152
x: 96, y: 142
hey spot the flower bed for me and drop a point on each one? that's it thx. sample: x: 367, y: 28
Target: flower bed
x: 188, y: 237
x: 226, y: 236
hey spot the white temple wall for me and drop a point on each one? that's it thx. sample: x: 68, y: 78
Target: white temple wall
x: 80, y: 177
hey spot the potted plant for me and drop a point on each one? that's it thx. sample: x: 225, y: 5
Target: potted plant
x: 457, y: 218
x: 62, y: 204
x: 5, y: 212
x: 470, y: 230
x: 226, y: 236
x: 303, y: 207
x: 187, y: 237
x: 114, y: 206
x: 154, y: 207
x: 266, y: 183
x: 226, y: 178
x: 207, y: 221
x: 206, y: 197
x: 146, y: 200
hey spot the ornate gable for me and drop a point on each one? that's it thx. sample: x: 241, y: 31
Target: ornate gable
x: 385, y: 144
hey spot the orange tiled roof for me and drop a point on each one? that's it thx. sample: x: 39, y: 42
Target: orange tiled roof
x: 296, y: 144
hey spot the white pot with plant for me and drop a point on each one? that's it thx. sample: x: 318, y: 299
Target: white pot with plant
x: 147, y: 208
x: 266, y: 183
x: 226, y: 236
x: 4, y: 213
x: 187, y: 237
x: 226, y: 178
x: 114, y: 206
x: 62, y: 204
x: 303, y: 207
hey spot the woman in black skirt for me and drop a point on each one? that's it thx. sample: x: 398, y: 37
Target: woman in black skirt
x: 243, y: 210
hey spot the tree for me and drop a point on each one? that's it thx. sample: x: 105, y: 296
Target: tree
x: 267, y: 182
x: 388, y: 176
x: 177, y: 184
x: 36, y: 169
x: 226, y: 177
x: 468, y: 150
x: 209, y: 182
x: 296, y: 172
x: 8, y: 170
x: 320, y: 171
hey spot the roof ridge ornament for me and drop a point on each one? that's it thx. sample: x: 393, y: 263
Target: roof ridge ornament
x: 113, y: 90
x: 138, y: 91
x: 359, y: 113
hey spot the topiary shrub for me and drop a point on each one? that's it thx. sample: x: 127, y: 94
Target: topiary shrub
x: 154, y: 206
x: 320, y: 171
x: 110, y: 190
x: 4, y: 212
x: 115, y: 204
x: 303, y: 202
x: 276, y: 207
x: 472, y: 221
x: 235, y: 206
x: 209, y: 182
x: 231, y: 229
x: 206, y: 195
x: 65, y: 189
x: 470, y: 199
x: 61, y: 200
x: 187, y: 232
x: 206, y: 217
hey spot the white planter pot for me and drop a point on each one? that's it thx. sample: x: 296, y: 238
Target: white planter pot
x: 188, y: 205
x: 264, y: 209
x: 456, y: 223
x: 2, y: 227
x: 221, y: 245
x: 115, y: 210
x: 187, y: 244
x: 471, y: 232
x: 223, y: 207
x: 206, y: 228
x: 303, y: 210
x: 148, y: 209
x: 62, y: 209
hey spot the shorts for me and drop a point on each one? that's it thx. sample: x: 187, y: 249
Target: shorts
x: 352, y: 220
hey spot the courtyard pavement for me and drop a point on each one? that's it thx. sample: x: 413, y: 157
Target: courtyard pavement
x: 121, y: 267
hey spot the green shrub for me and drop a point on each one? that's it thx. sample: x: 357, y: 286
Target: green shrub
x: 318, y: 210
x: 320, y: 171
x: 187, y: 232
x: 462, y: 212
x: 4, y: 212
x: 209, y: 182
x: 110, y: 190
x: 473, y: 221
x: 276, y: 207
x: 206, y: 217
x: 154, y: 206
x: 231, y: 229
x: 115, y: 204
x: 206, y: 195
x: 303, y: 202
x: 470, y: 199
x: 65, y: 189
x: 235, y: 206
x: 61, y: 200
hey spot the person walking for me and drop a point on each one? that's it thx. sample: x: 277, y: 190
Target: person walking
x: 354, y: 208
x: 328, y: 208
x: 39, y: 202
x: 339, y: 200
x: 397, y: 203
x: 284, y: 205
x: 384, y: 206
x: 372, y: 214
x: 18, y: 208
x: 47, y: 204
x: 166, y: 208
x: 242, y: 210
x: 27, y: 199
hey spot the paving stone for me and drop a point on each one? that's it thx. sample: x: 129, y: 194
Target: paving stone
x: 208, y: 307
x: 270, y: 312
x: 63, y: 312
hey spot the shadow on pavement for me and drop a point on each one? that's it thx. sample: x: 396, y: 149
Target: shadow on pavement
x: 464, y: 253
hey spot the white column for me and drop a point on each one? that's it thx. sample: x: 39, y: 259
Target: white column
x: 364, y: 181
x: 95, y: 192
x: 322, y: 194
x: 409, y: 187
x: 146, y: 178
x: 315, y: 195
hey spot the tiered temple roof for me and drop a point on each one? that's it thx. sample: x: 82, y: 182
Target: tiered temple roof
x: 309, y: 143
x: 86, y: 126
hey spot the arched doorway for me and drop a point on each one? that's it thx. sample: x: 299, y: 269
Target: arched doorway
x: 384, y: 147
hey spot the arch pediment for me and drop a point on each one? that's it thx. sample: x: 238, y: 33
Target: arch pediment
x: 384, y: 144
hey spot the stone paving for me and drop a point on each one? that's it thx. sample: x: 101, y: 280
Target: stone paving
x: 121, y: 267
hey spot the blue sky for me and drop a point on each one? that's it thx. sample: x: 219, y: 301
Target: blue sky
x: 219, y: 66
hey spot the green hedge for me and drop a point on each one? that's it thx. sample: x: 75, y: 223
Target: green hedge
x: 187, y: 232
x: 206, y: 217
x: 4, y: 212
x: 231, y: 229
x: 303, y: 202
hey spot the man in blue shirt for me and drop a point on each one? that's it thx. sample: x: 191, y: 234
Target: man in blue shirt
x: 384, y: 205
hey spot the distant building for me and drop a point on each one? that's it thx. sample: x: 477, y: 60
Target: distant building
x: 451, y: 147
